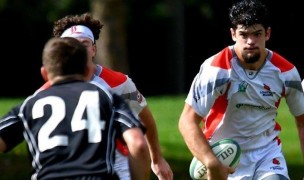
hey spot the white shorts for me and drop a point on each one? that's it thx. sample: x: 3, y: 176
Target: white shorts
x: 260, y: 163
x: 121, y: 166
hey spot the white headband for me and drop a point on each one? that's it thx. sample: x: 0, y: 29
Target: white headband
x: 78, y: 31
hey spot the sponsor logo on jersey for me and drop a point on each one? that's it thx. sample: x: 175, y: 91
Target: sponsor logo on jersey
x: 252, y: 106
x: 276, y: 163
x: 267, y: 92
x: 277, y: 168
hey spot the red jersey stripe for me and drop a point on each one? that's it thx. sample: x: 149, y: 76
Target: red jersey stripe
x: 222, y: 59
x: 281, y: 62
x: 112, y: 78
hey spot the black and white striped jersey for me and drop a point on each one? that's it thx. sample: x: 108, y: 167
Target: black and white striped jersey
x: 70, y: 129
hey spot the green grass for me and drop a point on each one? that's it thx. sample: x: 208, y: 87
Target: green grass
x: 166, y: 111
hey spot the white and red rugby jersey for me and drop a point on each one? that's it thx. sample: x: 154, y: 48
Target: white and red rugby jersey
x: 122, y: 85
x: 242, y: 104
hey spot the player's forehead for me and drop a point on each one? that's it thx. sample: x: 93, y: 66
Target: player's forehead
x: 84, y: 40
x: 249, y: 29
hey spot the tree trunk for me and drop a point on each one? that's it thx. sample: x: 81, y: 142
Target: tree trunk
x: 111, y: 46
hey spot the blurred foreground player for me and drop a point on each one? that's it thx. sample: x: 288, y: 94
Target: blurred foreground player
x: 70, y: 128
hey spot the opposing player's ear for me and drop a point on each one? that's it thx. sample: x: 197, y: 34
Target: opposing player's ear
x: 44, y: 73
x: 94, y: 51
x: 232, y: 31
x: 267, y: 33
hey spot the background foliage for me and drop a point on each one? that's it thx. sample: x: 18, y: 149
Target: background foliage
x: 165, y: 41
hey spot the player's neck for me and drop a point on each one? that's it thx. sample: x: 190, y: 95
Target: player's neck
x: 67, y: 78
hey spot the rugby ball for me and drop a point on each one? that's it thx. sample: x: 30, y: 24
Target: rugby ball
x: 226, y: 150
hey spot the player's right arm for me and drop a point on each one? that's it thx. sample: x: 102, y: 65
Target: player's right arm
x: 189, y: 127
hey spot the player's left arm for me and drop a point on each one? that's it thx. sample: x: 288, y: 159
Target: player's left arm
x: 300, y: 126
x: 159, y: 165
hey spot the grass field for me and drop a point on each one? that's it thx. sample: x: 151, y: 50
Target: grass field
x: 166, y: 110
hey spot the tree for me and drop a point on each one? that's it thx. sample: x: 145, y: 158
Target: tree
x: 112, y: 49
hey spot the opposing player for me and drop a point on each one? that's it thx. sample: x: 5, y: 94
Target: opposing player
x: 86, y: 29
x: 237, y: 93
x: 70, y: 128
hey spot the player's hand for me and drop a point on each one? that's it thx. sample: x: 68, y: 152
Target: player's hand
x: 162, y: 170
x: 219, y: 172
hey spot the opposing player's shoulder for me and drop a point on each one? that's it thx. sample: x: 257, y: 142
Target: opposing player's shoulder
x: 226, y: 150
x: 113, y: 78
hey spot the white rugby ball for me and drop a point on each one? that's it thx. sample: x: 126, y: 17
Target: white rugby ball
x: 226, y: 150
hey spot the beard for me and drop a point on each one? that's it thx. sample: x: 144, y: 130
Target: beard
x: 251, y: 58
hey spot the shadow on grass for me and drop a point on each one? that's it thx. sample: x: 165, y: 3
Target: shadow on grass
x: 17, y: 167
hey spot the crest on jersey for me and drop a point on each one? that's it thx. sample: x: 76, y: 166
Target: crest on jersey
x: 139, y: 97
x: 266, y: 87
x: 243, y: 86
x: 276, y: 161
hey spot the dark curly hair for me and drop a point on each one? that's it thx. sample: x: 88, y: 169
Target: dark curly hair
x: 248, y: 13
x: 85, y: 19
